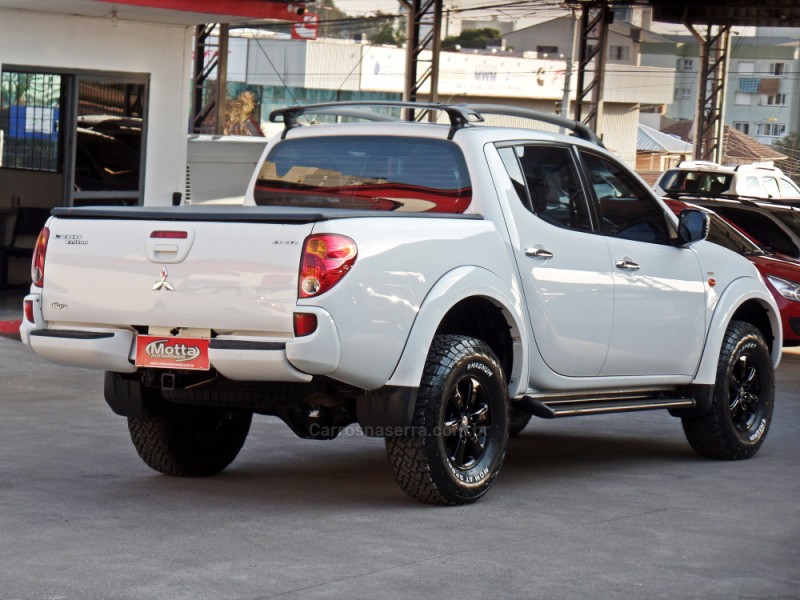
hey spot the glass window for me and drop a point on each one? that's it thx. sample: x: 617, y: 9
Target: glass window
x: 753, y: 187
x: 722, y: 233
x: 626, y: 209
x: 771, y: 185
x: 366, y: 172
x: 788, y: 188
x: 697, y: 182
x: 742, y: 126
x: 777, y: 68
x: 762, y: 228
x: 30, y: 114
x: 547, y: 184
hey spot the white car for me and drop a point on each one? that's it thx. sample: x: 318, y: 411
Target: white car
x: 436, y: 283
x: 710, y: 179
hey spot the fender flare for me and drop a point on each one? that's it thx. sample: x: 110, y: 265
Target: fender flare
x: 734, y: 296
x: 453, y: 287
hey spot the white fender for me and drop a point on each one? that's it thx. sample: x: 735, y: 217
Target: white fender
x: 455, y: 286
x: 736, y: 294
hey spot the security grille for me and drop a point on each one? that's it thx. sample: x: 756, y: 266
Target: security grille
x: 30, y: 113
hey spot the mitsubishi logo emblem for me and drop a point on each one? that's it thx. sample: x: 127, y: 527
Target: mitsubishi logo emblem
x: 164, y: 282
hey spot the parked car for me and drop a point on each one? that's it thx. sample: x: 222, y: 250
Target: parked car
x: 775, y: 226
x: 708, y: 178
x: 436, y: 283
x: 781, y: 273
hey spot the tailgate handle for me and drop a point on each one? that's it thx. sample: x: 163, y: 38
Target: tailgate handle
x: 169, y: 246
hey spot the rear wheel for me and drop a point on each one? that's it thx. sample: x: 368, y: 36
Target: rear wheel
x: 741, y: 410
x: 458, y: 437
x: 190, y: 441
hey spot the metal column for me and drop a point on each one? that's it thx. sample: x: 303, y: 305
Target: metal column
x: 595, y: 19
x: 709, y: 123
x: 424, y: 33
x: 208, y: 113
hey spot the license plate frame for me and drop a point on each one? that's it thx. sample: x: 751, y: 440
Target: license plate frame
x: 172, y: 352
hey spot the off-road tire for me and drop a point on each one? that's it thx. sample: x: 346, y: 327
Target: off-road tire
x: 457, y: 441
x: 741, y: 410
x: 190, y: 441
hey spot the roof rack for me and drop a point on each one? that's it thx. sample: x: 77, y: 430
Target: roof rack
x: 460, y: 115
x: 576, y: 127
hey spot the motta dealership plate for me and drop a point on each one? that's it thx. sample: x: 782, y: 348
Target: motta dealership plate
x: 165, y: 352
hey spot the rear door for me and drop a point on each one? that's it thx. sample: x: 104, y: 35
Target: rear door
x: 563, y: 264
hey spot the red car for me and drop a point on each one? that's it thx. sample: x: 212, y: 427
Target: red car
x: 781, y: 273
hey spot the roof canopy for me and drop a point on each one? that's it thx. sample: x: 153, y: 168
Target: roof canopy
x: 180, y: 12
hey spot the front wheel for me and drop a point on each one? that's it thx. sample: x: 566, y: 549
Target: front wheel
x: 190, y: 441
x: 456, y: 443
x: 741, y: 410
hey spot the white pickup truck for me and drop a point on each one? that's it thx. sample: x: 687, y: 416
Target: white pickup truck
x: 436, y: 283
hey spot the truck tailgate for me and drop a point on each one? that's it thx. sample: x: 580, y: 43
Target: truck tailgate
x: 225, y: 275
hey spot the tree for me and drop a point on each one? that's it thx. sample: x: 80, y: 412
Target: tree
x: 386, y: 33
x: 471, y: 38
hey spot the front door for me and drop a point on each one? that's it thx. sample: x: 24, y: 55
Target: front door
x: 659, y: 292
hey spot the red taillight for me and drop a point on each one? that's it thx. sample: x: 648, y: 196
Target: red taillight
x: 39, y: 251
x: 304, y: 324
x: 326, y: 259
x: 28, y: 311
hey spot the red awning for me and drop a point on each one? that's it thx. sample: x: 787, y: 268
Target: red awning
x: 246, y: 9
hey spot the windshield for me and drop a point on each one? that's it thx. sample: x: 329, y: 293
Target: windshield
x: 696, y: 182
x: 366, y: 172
x: 790, y: 218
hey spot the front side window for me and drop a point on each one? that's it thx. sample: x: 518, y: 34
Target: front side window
x: 546, y: 182
x: 366, y: 172
x: 626, y: 209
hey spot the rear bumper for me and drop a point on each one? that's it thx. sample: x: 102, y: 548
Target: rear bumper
x: 105, y: 350
x: 236, y: 357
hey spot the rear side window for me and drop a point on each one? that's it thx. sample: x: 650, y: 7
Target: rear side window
x: 366, y: 172
x: 547, y: 184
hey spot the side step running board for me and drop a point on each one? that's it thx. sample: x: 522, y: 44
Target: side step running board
x: 566, y: 405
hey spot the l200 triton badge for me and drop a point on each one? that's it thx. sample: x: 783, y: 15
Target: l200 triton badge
x: 164, y: 282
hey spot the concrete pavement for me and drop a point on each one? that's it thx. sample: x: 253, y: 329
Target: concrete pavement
x: 615, y: 506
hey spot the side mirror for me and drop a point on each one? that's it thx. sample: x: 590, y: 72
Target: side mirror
x: 693, y: 226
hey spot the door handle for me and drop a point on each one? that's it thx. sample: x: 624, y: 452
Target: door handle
x: 538, y: 253
x: 627, y: 265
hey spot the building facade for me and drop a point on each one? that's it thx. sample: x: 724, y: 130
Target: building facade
x: 762, y: 97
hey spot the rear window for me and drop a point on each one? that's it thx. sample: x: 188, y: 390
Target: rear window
x: 367, y: 173
x: 696, y: 182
